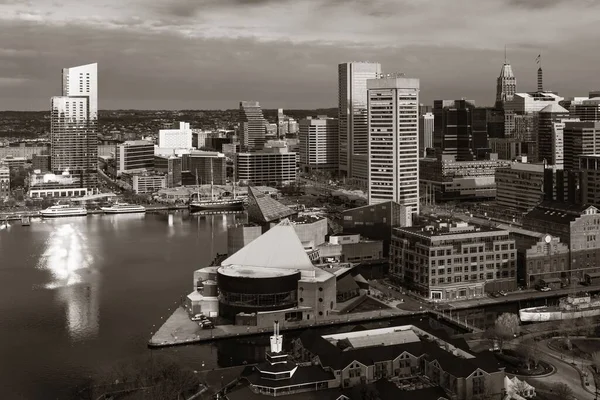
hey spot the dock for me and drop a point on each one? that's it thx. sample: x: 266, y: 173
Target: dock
x: 179, y: 329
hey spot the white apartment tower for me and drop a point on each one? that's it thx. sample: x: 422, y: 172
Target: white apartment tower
x: 425, y: 132
x: 393, y: 123
x: 318, y: 144
x: 352, y: 116
x: 178, y: 137
x: 73, y: 126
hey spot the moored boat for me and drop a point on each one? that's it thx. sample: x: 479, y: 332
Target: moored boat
x: 570, y: 307
x: 216, y: 205
x: 123, y: 208
x: 63, y: 211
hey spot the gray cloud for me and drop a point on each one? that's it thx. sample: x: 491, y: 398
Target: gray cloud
x: 285, y: 53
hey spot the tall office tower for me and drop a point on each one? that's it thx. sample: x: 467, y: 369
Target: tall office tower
x: 453, y: 128
x: 73, y: 126
x: 252, y: 126
x: 352, y: 116
x: 506, y: 85
x: 393, y: 124
x: 580, y: 138
x: 425, y: 133
x: 318, y: 147
x: 545, y: 122
x: 540, y: 80
x: 280, y: 122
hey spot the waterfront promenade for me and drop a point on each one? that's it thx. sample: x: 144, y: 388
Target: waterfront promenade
x: 17, y: 215
x: 179, y: 329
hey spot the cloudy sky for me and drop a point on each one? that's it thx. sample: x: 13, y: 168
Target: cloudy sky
x: 201, y: 54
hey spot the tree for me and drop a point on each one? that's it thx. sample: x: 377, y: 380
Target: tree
x: 155, y: 378
x: 528, y: 350
x: 596, y: 360
x: 506, y: 327
x: 562, y: 391
x: 565, y: 328
x: 586, y: 326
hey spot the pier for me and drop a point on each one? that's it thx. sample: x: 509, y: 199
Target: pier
x: 179, y: 329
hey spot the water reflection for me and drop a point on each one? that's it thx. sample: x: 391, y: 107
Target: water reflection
x: 69, y: 261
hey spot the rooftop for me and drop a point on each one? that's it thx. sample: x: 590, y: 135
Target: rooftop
x: 561, y: 213
x: 449, y: 227
x: 554, y: 108
x: 278, y: 248
x: 254, y: 271
x: 376, y: 337
x: 264, y: 208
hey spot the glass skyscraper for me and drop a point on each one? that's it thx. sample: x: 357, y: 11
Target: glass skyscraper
x: 73, y: 129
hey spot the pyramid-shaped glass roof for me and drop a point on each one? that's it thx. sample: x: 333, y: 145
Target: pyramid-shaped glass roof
x: 263, y: 208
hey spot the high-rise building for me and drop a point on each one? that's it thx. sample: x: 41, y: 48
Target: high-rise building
x: 318, y: 145
x: 352, y: 116
x: 252, y: 129
x: 506, y: 85
x: 393, y: 126
x: 453, y: 128
x: 580, y: 138
x: 4, y: 181
x: 589, y: 166
x: 545, y: 123
x: 73, y: 126
x: 206, y: 166
x: 425, y: 132
x: 178, y: 137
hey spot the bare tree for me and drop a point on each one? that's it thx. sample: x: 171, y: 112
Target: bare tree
x: 586, y: 326
x: 506, y: 327
x: 521, y: 387
x: 155, y: 378
x: 529, y: 351
x: 562, y: 390
x: 565, y: 329
x: 596, y: 360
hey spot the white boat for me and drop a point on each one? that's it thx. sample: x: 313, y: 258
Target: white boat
x: 123, y: 208
x: 63, y: 211
x: 571, y: 307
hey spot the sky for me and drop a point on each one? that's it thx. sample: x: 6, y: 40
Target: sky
x: 211, y: 54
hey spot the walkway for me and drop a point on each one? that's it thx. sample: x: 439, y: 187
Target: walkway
x: 178, y: 329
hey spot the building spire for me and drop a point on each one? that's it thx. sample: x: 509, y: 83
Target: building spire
x: 505, y: 60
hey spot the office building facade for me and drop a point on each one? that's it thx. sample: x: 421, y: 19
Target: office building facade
x: 178, y: 137
x: 171, y: 167
x: 135, y: 155
x: 272, y: 166
x: 426, y: 122
x: 352, y: 116
x: 4, y: 181
x: 252, y: 129
x: 520, y: 186
x: 545, y: 128
x: 506, y: 86
x: 73, y: 126
x: 449, y: 261
x: 453, y: 128
x: 445, y: 179
x: 589, y: 183
x: 318, y: 144
x: 206, y: 166
x: 393, y: 125
x: 580, y: 138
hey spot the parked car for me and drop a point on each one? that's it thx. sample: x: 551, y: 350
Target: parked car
x: 494, y: 294
x: 198, y: 317
x: 502, y: 293
x: 545, y: 289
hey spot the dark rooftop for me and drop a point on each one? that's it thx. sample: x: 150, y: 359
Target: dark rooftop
x: 557, y: 212
x: 263, y: 208
x: 308, y: 374
x: 386, y: 390
x: 337, y: 359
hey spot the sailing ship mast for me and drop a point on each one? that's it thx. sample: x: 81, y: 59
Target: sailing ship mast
x: 197, y: 186
x: 234, y: 197
x: 212, y: 195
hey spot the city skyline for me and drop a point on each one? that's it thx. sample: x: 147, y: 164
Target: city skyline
x: 187, y: 55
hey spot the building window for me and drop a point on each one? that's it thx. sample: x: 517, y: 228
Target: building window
x: 320, y: 300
